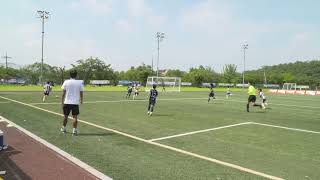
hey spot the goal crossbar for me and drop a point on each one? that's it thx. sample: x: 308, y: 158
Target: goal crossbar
x: 170, y: 84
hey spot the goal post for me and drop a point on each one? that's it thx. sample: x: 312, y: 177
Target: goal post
x: 168, y: 84
x: 289, y: 86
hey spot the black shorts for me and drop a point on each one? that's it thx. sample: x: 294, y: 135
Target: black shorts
x: 46, y: 93
x: 67, y: 108
x: 211, y: 95
x: 152, y: 101
x: 252, y: 98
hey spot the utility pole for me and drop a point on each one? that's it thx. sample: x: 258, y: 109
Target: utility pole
x: 265, y: 78
x: 160, y: 37
x: 62, y: 73
x: 43, y: 15
x: 245, y: 46
x: 6, y: 57
x: 152, y: 65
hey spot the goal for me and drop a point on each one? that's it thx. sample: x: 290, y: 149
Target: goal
x: 168, y: 84
x: 290, y: 86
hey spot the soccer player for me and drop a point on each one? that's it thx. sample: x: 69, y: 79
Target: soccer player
x: 263, y: 97
x: 211, y: 94
x: 252, y: 97
x: 46, y: 91
x: 163, y: 85
x: 72, y: 96
x: 152, y: 99
x: 129, y: 91
x: 136, y: 91
x: 228, y: 93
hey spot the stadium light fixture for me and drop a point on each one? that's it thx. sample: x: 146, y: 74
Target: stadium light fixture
x: 160, y: 37
x: 43, y: 15
x: 244, y: 46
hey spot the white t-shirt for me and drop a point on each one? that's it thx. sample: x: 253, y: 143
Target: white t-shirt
x: 73, y: 88
x: 261, y: 94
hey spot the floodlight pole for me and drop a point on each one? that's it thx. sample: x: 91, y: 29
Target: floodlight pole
x: 159, y: 36
x: 245, y: 46
x: 152, y: 66
x: 43, y: 15
x: 6, y: 57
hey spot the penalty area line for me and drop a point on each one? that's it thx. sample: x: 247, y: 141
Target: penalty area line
x: 287, y: 128
x: 216, y: 161
x: 200, y: 131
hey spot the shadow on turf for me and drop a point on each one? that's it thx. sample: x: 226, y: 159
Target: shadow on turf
x: 92, y: 134
x: 12, y: 169
x: 162, y: 115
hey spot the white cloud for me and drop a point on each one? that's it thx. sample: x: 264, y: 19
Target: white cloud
x: 137, y: 7
x: 205, y: 13
x: 155, y: 20
x: 97, y: 7
x: 140, y: 9
x: 125, y: 25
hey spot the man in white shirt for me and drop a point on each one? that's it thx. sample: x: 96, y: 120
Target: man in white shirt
x: 71, y: 98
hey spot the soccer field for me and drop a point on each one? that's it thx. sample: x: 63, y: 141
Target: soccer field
x: 186, y: 138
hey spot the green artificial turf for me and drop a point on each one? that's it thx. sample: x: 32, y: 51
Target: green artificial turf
x: 283, y: 153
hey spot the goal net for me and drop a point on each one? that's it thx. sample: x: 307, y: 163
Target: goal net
x: 169, y: 84
x: 290, y: 86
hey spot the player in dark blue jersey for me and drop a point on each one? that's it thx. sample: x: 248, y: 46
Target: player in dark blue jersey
x: 152, y: 99
x: 129, y: 91
x: 211, y: 94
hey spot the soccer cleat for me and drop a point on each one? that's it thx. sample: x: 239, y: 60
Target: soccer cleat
x: 75, y: 133
x: 150, y: 114
x: 63, y: 129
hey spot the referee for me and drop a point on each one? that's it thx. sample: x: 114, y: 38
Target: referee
x: 252, y: 97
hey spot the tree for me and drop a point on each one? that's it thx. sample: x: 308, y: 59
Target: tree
x: 93, y: 69
x: 230, y: 74
x: 139, y: 73
x: 200, y: 75
x: 32, y: 73
x: 175, y: 73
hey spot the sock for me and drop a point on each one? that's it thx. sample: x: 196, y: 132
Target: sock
x: 74, y: 130
x: 248, y: 107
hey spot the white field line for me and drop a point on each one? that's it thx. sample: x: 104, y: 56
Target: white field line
x: 287, y: 128
x: 116, y: 101
x: 276, y: 104
x: 177, y: 99
x: 234, y: 166
x: 200, y: 131
x: 59, y: 151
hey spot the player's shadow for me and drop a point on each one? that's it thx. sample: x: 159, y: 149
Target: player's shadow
x: 162, y: 115
x: 96, y: 134
x: 13, y: 171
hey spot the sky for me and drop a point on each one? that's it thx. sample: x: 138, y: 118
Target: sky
x: 197, y: 32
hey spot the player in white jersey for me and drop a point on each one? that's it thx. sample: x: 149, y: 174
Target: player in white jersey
x: 228, y: 93
x: 46, y: 91
x: 136, y: 91
x: 263, y: 97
